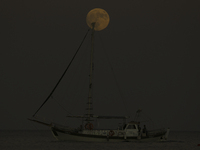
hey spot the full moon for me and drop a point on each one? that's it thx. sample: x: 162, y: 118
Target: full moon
x: 98, y: 16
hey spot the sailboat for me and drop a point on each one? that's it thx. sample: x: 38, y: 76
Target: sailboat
x: 98, y: 19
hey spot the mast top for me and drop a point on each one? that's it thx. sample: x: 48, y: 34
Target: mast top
x: 98, y: 17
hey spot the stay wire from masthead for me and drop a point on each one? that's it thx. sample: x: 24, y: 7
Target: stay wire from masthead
x: 62, y: 74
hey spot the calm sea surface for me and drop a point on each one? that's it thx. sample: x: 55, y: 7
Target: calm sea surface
x: 44, y: 140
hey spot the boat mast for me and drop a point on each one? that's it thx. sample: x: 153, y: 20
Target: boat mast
x: 97, y: 19
x: 90, y: 108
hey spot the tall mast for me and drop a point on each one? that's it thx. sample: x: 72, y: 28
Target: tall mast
x: 97, y: 19
x: 90, y: 98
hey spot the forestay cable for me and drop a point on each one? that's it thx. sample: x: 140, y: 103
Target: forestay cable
x: 62, y: 74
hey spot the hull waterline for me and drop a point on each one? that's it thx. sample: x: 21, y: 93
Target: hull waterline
x: 66, y: 136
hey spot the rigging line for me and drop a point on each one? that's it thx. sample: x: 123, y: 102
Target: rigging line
x: 62, y: 74
x: 150, y: 120
x: 33, y: 125
x: 61, y: 106
x: 117, y: 84
x: 73, y: 85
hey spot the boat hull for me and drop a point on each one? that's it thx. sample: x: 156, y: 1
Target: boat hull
x: 67, y: 136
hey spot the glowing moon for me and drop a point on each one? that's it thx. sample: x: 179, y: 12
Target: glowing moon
x: 98, y: 16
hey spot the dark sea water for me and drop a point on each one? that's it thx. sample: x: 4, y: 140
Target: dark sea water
x: 44, y: 140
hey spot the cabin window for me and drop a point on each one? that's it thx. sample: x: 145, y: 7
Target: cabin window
x: 131, y: 127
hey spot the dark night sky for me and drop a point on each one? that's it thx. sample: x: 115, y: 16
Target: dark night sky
x: 153, y: 46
